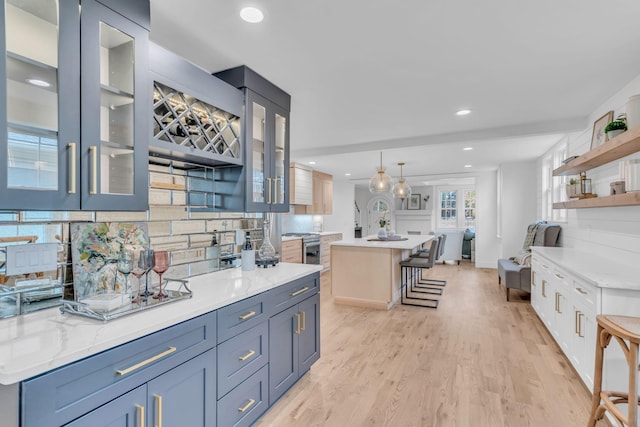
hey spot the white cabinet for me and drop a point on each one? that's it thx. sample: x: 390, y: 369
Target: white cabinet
x: 583, y: 332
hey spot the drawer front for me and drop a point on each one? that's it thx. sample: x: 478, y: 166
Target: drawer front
x: 241, y: 316
x: 586, y: 294
x: 285, y: 296
x: 244, y: 404
x: 241, y: 356
x: 82, y: 386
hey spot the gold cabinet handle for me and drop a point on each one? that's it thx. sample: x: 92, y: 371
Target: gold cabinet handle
x: 544, y: 290
x: 94, y: 170
x: 145, y: 362
x: 580, y: 316
x: 275, y: 191
x: 246, y: 356
x: 248, y: 315
x: 304, y: 321
x: 559, y: 276
x: 269, y: 190
x: 582, y: 291
x: 577, y: 322
x: 158, y: 400
x: 557, y: 302
x: 533, y: 278
x: 246, y: 407
x: 296, y: 293
x: 298, y: 323
x: 140, y: 410
x: 545, y: 266
x: 72, y: 167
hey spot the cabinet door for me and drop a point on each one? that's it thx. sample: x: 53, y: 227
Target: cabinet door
x: 126, y: 411
x: 584, y: 330
x: 185, y: 395
x: 116, y: 107
x: 40, y: 108
x: 283, y: 352
x: 309, y: 342
x: 267, y: 155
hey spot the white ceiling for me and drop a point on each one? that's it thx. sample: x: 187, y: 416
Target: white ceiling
x: 367, y: 76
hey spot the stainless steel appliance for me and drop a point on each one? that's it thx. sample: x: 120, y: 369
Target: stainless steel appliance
x: 310, y: 247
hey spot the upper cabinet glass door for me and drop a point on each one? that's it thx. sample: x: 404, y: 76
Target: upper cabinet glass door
x: 258, y: 149
x: 116, y: 129
x: 39, y: 69
x: 281, y: 160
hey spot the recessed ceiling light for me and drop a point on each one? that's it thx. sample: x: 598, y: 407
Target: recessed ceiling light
x: 252, y: 15
x: 40, y: 83
x: 347, y: 174
x: 467, y: 166
x: 463, y: 112
x: 468, y: 148
x: 312, y: 163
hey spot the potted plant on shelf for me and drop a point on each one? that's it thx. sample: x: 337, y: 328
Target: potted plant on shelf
x: 573, y: 189
x: 616, y: 127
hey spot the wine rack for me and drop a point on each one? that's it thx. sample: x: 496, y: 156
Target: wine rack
x: 184, y: 121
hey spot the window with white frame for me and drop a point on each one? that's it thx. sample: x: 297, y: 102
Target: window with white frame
x: 456, y: 207
x: 553, y: 188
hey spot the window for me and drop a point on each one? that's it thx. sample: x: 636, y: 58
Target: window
x: 553, y: 188
x: 456, y: 208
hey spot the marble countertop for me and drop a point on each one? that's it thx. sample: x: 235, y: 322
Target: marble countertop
x: 289, y: 238
x: 592, y: 268
x: 411, y: 242
x: 35, y: 343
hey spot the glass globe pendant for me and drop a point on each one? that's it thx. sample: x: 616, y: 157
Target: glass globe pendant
x: 380, y: 182
x: 401, y: 190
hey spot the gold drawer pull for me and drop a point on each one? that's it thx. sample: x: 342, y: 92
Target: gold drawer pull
x: 246, y: 356
x: 580, y: 316
x: 582, y: 291
x: 248, y: 315
x: 247, y: 406
x: 145, y: 362
x: 140, y: 410
x: 158, y: 400
x: 296, y: 293
x: 559, y: 276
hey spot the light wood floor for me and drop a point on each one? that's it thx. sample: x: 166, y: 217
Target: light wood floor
x: 475, y: 361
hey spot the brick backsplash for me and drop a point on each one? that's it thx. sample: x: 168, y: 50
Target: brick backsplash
x: 171, y: 225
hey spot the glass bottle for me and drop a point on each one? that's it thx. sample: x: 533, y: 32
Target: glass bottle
x: 266, y: 251
x: 248, y: 254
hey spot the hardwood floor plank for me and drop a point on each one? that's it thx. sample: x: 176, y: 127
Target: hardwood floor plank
x: 477, y: 360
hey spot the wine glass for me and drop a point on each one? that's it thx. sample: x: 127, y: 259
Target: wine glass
x: 149, y: 254
x: 125, y: 262
x: 141, y: 265
x: 160, y: 265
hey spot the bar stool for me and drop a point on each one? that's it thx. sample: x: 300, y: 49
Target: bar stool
x: 411, y: 273
x: 626, y: 330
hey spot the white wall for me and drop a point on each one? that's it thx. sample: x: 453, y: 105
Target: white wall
x: 342, y: 219
x: 487, y: 241
x: 613, y: 232
x: 518, y: 206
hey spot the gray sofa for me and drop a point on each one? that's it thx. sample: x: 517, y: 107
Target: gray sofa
x: 515, y: 273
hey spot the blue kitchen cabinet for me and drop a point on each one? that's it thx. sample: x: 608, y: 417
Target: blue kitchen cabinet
x: 186, y: 395
x: 74, y: 104
x: 265, y: 131
x: 294, y: 344
x: 126, y: 411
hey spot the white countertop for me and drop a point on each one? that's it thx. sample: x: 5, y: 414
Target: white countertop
x: 411, y: 242
x: 35, y: 343
x: 593, y: 268
x: 289, y: 238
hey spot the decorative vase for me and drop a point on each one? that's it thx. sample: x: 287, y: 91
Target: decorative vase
x: 382, y: 233
x: 613, y: 133
x: 633, y: 111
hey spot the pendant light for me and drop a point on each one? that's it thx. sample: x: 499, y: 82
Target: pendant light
x: 401, y: 190
x: 380, y: 182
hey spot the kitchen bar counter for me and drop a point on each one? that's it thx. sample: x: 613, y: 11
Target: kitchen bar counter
x: 35, y: 343
x: 367, y: 273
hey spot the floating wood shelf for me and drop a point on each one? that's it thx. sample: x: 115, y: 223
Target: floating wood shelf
x: 622, y: 145
x: 627, y: 199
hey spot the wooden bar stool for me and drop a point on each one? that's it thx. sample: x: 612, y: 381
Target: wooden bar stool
x: 626, y: 330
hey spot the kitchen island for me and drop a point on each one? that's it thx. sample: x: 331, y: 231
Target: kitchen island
x: 366, y: 272
x: 52, y: 350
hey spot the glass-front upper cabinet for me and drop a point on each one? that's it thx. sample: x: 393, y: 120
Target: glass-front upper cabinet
x: 39, y: 104
x: 267, y: 155
x: 115, y: 103
x: 61, y: 150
